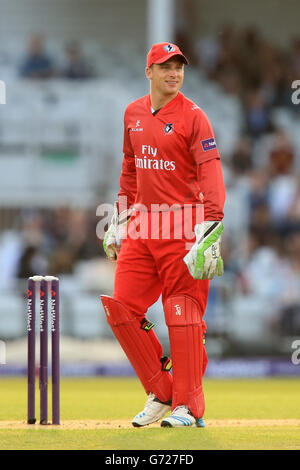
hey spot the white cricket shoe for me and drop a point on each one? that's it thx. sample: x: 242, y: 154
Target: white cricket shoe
x: 153, y: 411
x: 181, y: 416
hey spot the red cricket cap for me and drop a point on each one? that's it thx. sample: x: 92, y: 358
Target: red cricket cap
x: 162, y: 52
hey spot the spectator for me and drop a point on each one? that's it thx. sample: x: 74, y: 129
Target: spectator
x: 284, y: 91
x: 31, y: 262
x: 242, y: 156
x: 247, y: 65
x: 295, y: 56
x: 37, y: 64
x: 76, y: 67
x: 228, y: 49
x: 283, y: 183
x: 256, y: 114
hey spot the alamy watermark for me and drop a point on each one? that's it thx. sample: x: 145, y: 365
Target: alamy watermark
x: 2, y: 353
x: 296, y: 94
x: 160, y: 221
x: 296, y: 353
x: 2, y: 92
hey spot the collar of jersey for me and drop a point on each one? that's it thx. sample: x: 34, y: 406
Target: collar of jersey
x: 168, y: 106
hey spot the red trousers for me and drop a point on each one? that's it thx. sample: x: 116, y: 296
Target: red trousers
x: 147, y: 268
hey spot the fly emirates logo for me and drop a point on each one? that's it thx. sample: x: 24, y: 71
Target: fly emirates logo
x: 151, y: 161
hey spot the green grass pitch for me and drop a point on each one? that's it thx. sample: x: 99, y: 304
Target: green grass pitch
x: 96, y: 413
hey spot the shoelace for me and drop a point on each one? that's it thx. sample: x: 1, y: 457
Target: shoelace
x: 178, y: 407
x: 149, y: 402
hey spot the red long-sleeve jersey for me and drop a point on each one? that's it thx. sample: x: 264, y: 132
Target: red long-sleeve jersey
x: 170, y: 158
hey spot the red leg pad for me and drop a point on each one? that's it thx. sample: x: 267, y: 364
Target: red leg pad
x: 141, y: 347
x: 183, y: 318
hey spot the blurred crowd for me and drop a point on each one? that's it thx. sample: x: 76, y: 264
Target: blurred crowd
x: 265, y: 175
x: 263, y: 168
x: 37, y: 64
x: 259, y: 72
x: 49, y: 241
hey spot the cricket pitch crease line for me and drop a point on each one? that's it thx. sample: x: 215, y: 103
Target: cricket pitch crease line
x: 126, y: 424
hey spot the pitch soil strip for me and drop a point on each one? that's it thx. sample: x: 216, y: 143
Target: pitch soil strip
x: 125, y: 424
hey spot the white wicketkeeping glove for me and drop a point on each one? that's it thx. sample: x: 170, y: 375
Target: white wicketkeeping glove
x: 204, y: 259
x: 116, y: 232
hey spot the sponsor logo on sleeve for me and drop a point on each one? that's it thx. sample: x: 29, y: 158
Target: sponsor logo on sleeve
x: 208, y: 144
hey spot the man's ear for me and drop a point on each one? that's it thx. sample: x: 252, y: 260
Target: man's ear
x: 148, y: 73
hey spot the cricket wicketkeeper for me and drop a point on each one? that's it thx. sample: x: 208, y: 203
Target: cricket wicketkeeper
x: 171, y: 180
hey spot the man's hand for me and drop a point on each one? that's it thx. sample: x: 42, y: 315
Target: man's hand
x: 116, y: 232
x: 204, y: 259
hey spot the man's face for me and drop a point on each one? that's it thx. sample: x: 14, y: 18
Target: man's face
x: 167, y: 78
